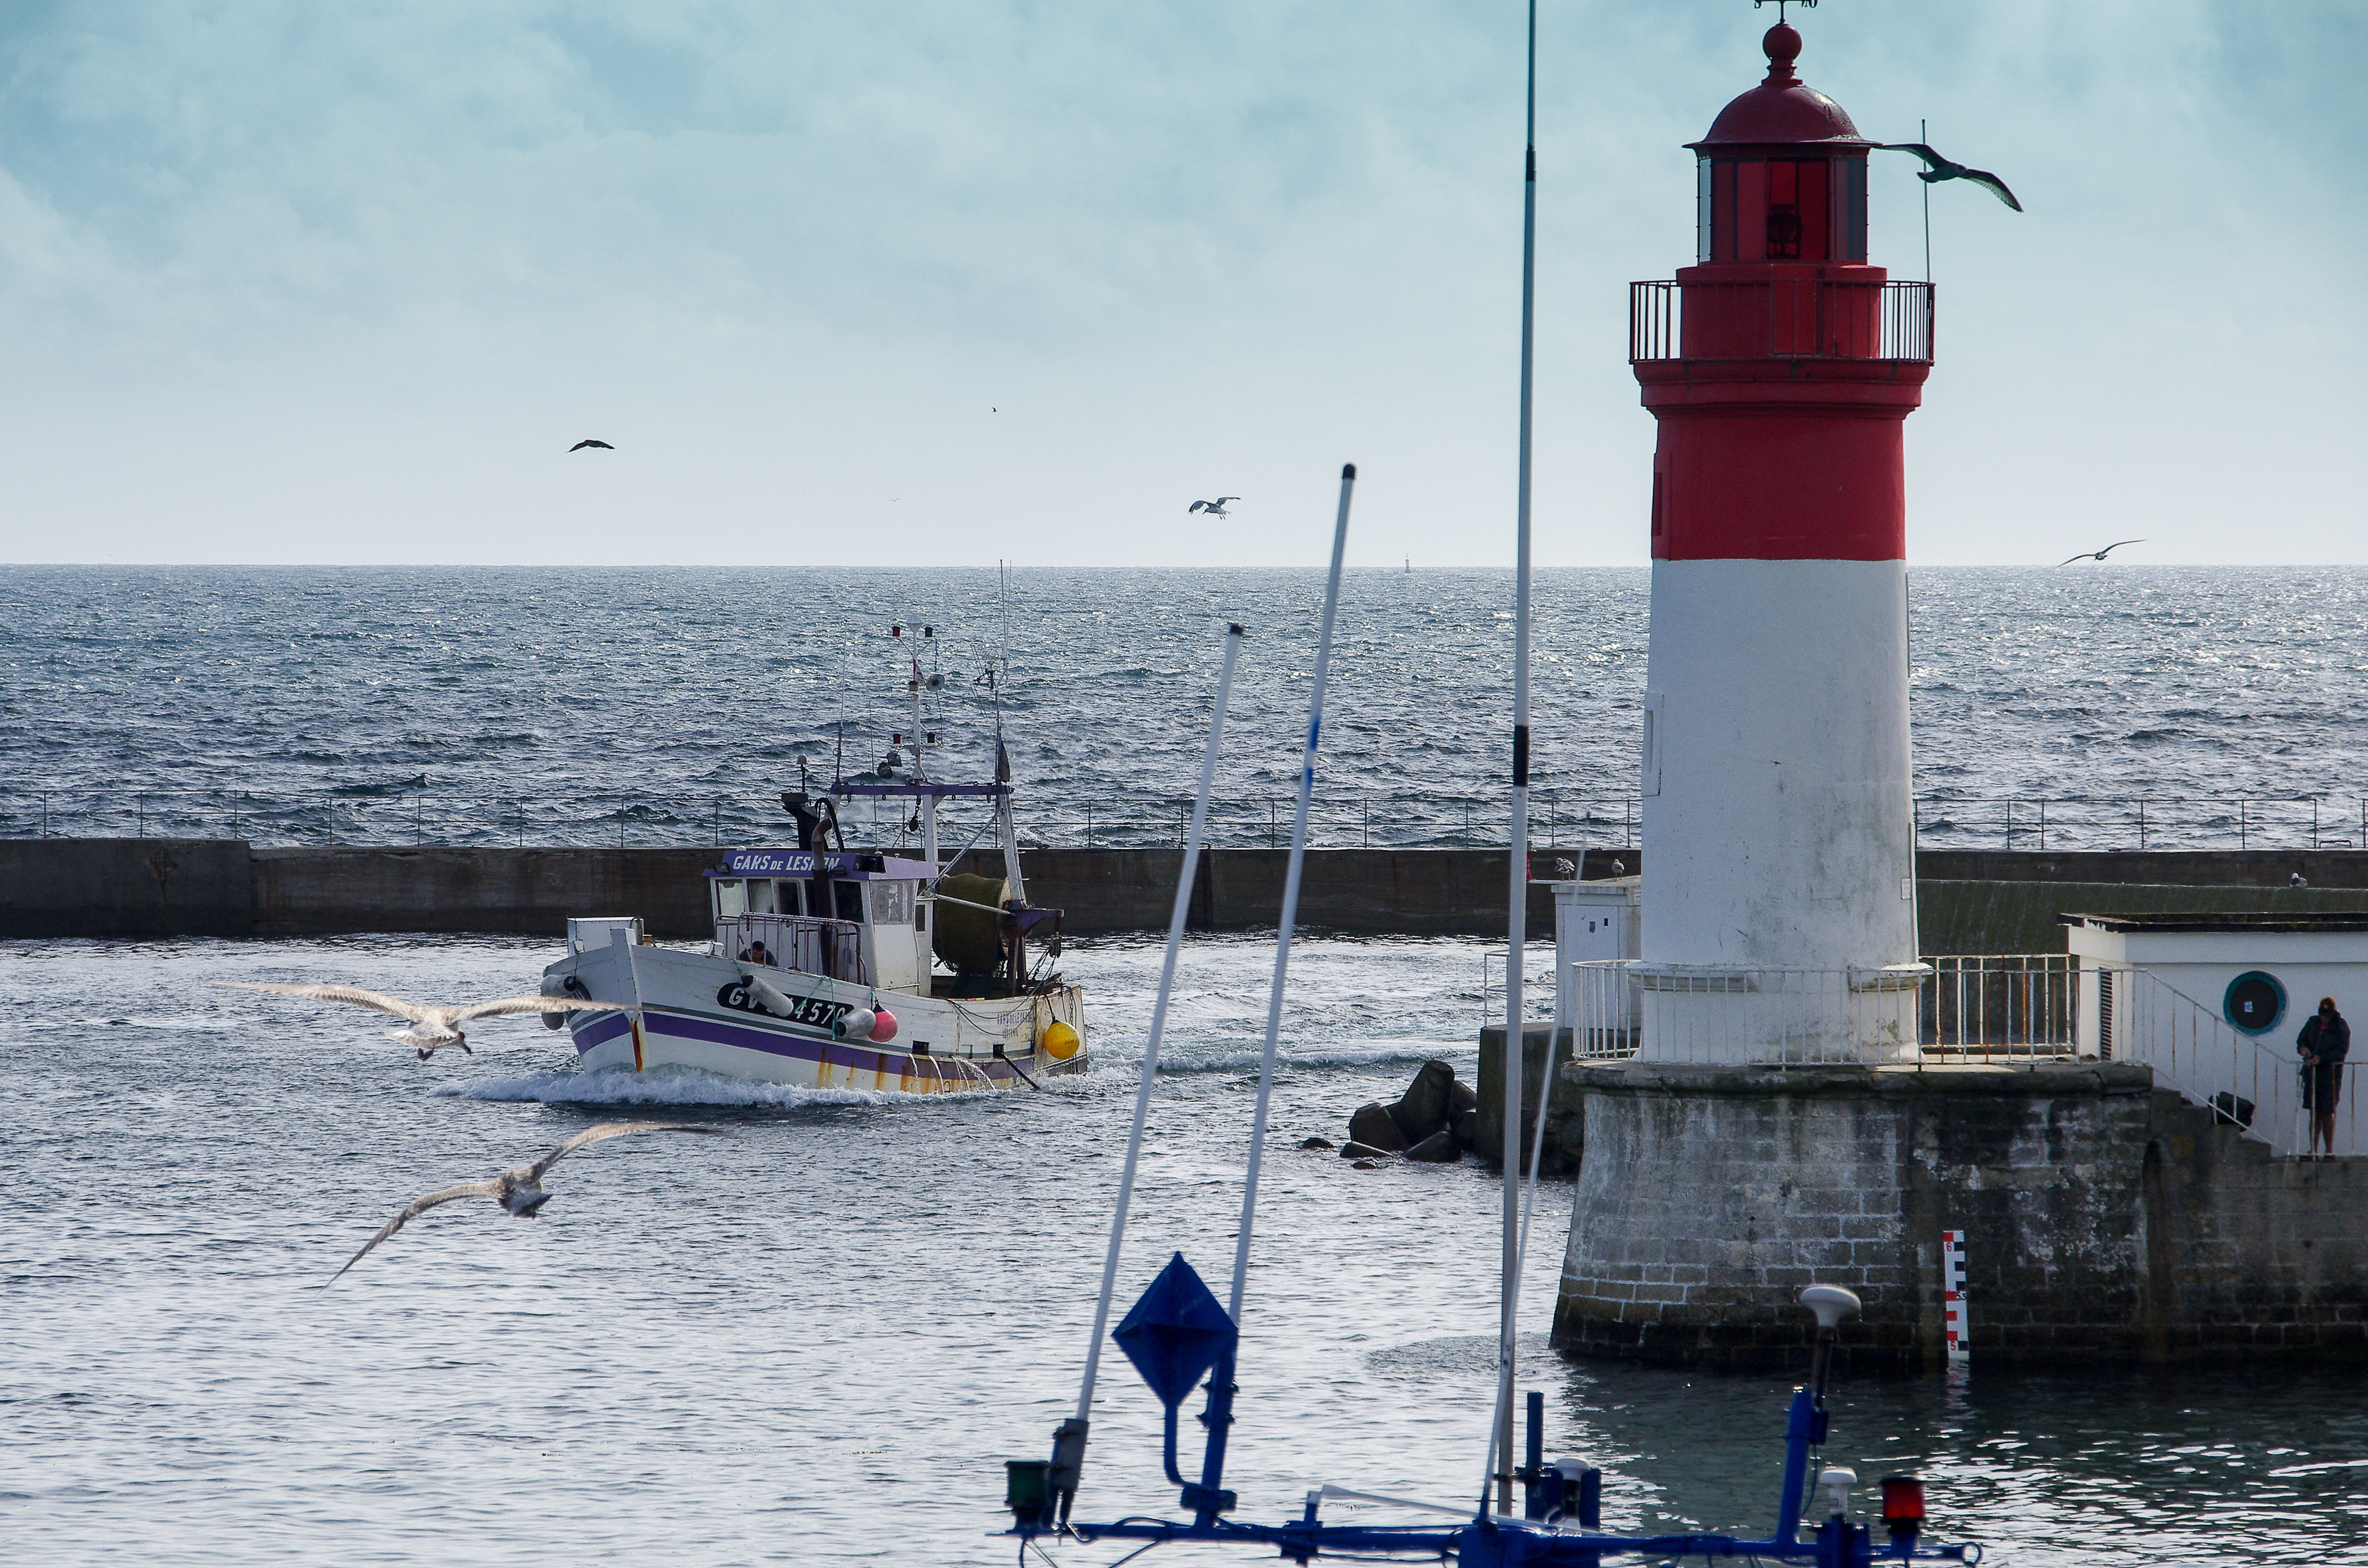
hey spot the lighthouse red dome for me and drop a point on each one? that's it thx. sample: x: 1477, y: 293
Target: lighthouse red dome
x: 1782, y: 109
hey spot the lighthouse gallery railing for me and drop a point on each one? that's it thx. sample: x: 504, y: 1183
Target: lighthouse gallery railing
x: 1784, y: 318
x: 1999, y: 1010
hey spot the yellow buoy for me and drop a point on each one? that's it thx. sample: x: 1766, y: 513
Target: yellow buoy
x: 1059, y: 1041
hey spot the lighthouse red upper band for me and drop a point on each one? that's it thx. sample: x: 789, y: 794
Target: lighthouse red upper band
x: 1781, y: 365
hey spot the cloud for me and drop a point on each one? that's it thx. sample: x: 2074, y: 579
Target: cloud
x: 341, y: 276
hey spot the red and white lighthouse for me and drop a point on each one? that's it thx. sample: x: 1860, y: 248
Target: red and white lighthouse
x: 1782, y: 367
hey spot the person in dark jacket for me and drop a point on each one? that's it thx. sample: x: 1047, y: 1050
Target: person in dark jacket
x: 2325, y: 1040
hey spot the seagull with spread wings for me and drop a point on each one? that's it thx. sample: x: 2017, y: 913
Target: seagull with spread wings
x: 1214, y: 508
x: 433, y: 1028
x: 2099, y: 554
x: 1938, y: 168
x: 518, y: 1189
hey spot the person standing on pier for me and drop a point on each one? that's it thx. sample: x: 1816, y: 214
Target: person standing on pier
x: 2325, y: 1040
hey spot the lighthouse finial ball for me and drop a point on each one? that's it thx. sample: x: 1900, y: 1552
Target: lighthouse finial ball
x: 1782, y: 45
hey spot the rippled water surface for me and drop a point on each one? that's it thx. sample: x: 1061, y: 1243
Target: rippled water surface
x: 816, y: 1340
x: 655, y: 706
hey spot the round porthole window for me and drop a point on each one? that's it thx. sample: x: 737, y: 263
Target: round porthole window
x: 2255, y: 1002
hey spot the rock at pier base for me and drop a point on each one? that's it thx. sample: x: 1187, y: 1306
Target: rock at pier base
x: 1423, y: 1109
x: 1439, y: 1149
x: 1372, y: 1125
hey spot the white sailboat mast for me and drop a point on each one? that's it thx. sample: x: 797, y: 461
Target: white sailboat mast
x: 1517, y: 905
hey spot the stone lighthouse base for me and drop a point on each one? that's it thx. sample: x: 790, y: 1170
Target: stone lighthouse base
x: 2105, y: 1220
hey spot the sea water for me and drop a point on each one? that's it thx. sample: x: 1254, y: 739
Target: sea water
x: 2147, y: 707
x: 815, y: 1340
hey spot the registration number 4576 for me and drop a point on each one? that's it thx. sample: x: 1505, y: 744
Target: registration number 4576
x: 813, y: 1011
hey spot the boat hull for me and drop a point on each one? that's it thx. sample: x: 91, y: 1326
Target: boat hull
x: 691, y: 1009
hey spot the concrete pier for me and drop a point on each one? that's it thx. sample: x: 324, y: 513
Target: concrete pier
x: 2105, y: 1220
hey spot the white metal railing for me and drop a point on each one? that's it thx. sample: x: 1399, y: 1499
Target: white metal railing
x: 804, y: 942
x: 1996, y: 1007
x: 2252, y: 1081
x: 1537, y: 984
x: 2000, y: 1008
x: 1745, y: 1015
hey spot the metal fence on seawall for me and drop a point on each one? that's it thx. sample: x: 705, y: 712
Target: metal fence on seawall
x: 362, y: 814
x: 1339, y: 819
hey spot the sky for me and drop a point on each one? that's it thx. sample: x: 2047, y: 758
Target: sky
x: 955, y: 281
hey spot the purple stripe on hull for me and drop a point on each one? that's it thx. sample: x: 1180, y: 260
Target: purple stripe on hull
x: 774, y: 1042
x: 610, y: 1027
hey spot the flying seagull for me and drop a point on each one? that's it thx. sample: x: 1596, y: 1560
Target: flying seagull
x: 2098, y: 554
x: 437, y: 1027
x: 518, y: 1189
x: 1215, y: 508
x: 581, y: 445
x: 1939, y: 168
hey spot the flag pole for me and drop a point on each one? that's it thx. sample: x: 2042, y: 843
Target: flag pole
x: 1924, y: 134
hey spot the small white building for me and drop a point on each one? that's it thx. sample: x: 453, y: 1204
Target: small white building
x: 2261, y: 974
x: 1601, y: 921
x: 2212, y: 1002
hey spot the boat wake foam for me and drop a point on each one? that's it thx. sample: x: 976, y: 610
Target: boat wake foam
x: 1246, y: 1061
x: 675, y: 1087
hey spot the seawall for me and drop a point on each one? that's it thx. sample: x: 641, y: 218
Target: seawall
x: 1967, y: 901
x: 2106, y: 1220
x: 150, y: 887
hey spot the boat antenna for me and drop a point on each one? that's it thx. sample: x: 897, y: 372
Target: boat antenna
x: 1516, y: 914
x: 1069, y: 1439
x: 1007, y: 829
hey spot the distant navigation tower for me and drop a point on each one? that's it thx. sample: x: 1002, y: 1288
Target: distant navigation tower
x: 1782, y: 367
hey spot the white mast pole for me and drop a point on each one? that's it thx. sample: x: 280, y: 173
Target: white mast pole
x: 1517, y: 919
x: 1291, y: 895
x: 1071, y: 1440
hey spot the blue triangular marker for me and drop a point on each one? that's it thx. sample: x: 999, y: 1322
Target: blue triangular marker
x: 1175, y: 1332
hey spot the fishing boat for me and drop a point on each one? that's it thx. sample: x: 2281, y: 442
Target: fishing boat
x: 844, y: 968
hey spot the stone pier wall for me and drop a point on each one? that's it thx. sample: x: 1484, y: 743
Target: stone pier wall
x: 140, y: 887
x: 155, y: 887
x: 2105, y: 1220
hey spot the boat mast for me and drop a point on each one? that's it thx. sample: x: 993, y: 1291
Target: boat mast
x: 1011, y: 834
x: 920, y: 764
x: 1516, y: 917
